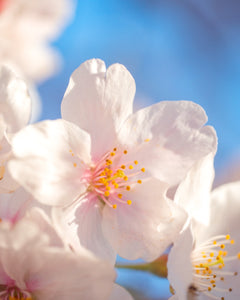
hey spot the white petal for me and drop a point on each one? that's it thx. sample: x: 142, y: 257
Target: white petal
x: 193, y: 194
x: 224, y: 216
x: 15, y: 103
x: 119, y: 293
x: 89, y: 220
x: 45, y: 158
x: 179, y: 264
x: 145, y: 228
x: 171, y: 138
x: 99, y: 101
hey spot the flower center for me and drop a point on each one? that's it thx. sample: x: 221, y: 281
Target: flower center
x: 211, y: 263
x: 3, y: 4
x: 111, y: 180
x: 13, y: 293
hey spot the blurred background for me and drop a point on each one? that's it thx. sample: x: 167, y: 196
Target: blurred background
x: 175, y: 50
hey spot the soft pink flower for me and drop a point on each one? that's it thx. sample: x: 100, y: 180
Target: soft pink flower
x: 32, y: 267
x: 15, y: 110
x: 205, y: 259
x: 26, y: 29
x: 109, y: 172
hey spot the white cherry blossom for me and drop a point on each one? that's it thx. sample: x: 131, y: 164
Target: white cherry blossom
x: 107, y: 169
x: 204, y: 262
x: 32, y: 267
x: 15, y: 110
x: 26, y: 29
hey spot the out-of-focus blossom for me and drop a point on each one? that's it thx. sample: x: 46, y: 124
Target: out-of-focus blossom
x: 32, y: 268
x: 15, y: 111
x: 109, y: 171
x: 204, y: 262
x: 26, y: 28
x: 13, y: 206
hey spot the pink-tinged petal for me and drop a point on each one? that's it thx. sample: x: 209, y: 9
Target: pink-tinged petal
x: 171, y: 137
x: 13, y: 206
x: 193, y: 194
x: 179, y: 264
x: 16, y: 242
x: 119, y: 293
x: 79, y: 276
x: 99, y: 101
x: 88, y: 216
x: 145, y: 228
x: 15, y: 103
x: 50, y: 159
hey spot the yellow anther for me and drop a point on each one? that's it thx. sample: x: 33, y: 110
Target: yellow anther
x: 112, y: 153
x: 209, y: 260
x: 220, y: 266
x: 70, y: 150
x: 125, y: 178
x: 120, y: 196
x: 146, y: 140
x: 72, y: 154
x: 123, y: 167
x: 2, y: 171
x: 214, y: 285
x: 227, y: 237
x: 113, y: 182
x: 136, y: 162
x: 143, y: 169
x: 106, y: 193
x: 130, y: 167
x: 212, y: 281
x: 225, y: 253
x: 128, y: 188
x: 120, y: 173
x: 232, y: 242
x: 204, y: 256
x: 238, y: 255
x: 214, y: 242
x: 114, y: 206
x: 212, y: 254
x: 220, y: 252
x: 139, y: 181
x: 209, y: 289
x: 222, y: 246
x: 129, y: 202
x: 114, y: 149
x: 74, y: 164
x: 125, y: 151
x: 116, y: 185
x: 108, y: 188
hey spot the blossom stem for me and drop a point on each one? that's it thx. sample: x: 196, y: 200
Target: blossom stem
x: 157, y: 267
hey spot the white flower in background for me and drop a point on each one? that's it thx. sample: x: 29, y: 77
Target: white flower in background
x: 32, y: 268
x: 15, y: 110
x: 26, y: 29
x: 204, y: 262
x: 109, y: 172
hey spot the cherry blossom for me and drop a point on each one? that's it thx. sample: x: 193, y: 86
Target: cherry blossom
x: 205, y: 259
x: 29, y: 26
x: 106, y: 170
x: 15, y: 110
x: 32, y: 267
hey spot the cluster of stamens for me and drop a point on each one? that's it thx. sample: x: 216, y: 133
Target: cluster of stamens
x: 14, y: 293
x: 209, y: 262
x: 111, y: 180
